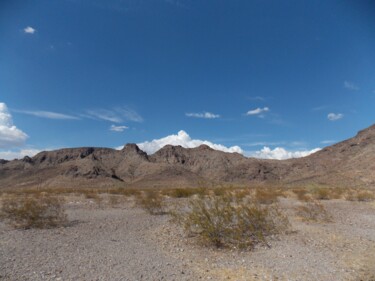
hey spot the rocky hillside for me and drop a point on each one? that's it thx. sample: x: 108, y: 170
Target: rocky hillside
x: 351, y: 162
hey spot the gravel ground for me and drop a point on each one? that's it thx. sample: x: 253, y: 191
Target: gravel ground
x: 128, y: 244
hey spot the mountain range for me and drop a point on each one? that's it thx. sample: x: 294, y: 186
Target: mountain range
x: 348, y: 163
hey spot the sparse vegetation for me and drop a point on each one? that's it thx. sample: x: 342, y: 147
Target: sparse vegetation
x: 360, y: 195
x: 36, y: 211
x: 229, y: 221
x: 152, y: 202
x: 267, y: 195
x: 184, y: 192
x: 313, y: 211
x: 302, y: 194
x: 322, y: 193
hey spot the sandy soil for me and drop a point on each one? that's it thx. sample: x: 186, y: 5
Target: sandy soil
x: 126, y: 243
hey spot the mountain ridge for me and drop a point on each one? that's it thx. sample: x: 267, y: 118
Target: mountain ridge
x: 350, y: 162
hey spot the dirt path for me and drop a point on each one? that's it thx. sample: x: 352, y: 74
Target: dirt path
x: 110, y: 244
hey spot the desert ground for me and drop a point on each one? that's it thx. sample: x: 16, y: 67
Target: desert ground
x: 112, y: 237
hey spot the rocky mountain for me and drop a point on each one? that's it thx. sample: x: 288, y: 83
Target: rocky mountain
x: 351, y: 162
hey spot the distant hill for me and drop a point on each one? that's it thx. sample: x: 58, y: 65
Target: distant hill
x: 348, y: 163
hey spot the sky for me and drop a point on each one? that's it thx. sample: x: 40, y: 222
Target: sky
x: 267, y: 79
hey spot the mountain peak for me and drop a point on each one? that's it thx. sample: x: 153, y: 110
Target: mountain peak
x: 133, y: 149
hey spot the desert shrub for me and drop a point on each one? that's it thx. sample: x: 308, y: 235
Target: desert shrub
x: 152, y: 202
x: 37, y: 211
x: 302, y: 194
x: 95, y: 197
x: 181, y: 192
x: 322, y: 193
x: 220, y: 191
x: 184, y: 192
x: 242, y: 193
x: 360, y: 195
x: 125, y: 191
x: 365, y: 196
x: 114, y: 200
x: 313, y: 211
x: 267, y: 196
x: 228, y: 221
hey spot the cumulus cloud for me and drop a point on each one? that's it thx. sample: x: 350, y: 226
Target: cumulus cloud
x: 29, y: 30
x: 258, y: 111
x: 119, y: 129
x: 205, y: 115
x: 10, y: 135
x: 335, y: 116
x: 48, y: 114
x: 117, y: 115
x: 280, y: 153
x: 11, y: 154
x: 183, y: 139
x: 350, y: 86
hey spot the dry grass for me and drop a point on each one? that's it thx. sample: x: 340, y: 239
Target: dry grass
x: 302, y: 194
x: 228, y: 221
x: 361, y: 195
x: 33, y: 211
x: 267, y: 195
x: 322, y: 193
x: 184, y: 192
x: 313, y: 211
x: 152, y: 202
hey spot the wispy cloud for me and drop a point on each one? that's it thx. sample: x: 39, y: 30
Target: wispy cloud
x: 319, y: 108
x: 256, y: 98
x: 129, y: 114
x: 258, y: 111
x: 350, y: 86
x: 48, y: 114
x: 117, y: 115
x: 205, y: 115
x: 29, y: 30
x: 10, y: 135
x: 263, y: 143
x: 119, y: 129
x: 103, y: 114
x: 327, y: 141
x: 335, y: 116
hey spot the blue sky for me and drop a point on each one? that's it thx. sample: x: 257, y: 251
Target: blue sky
x: 286, y: 75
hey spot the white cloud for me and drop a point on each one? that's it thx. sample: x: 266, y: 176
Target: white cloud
x: 11, y: 154
x: 350, y: 86
x: 10, y: 135
x: 115, y: 128
x: 29, y: 30
x: 183, y: 139
x: 258, y: 111
x: 280, y: 153
x: 205, y: 115
x: 48, y: 114
x: 117, y: 115
x: 335, y: 116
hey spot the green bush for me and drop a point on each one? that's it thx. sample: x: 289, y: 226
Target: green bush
x: 229, y: 221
